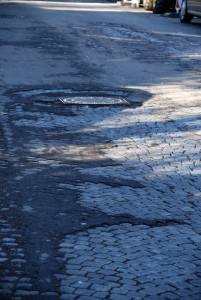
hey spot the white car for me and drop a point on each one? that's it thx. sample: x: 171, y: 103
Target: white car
x: 190, y: 9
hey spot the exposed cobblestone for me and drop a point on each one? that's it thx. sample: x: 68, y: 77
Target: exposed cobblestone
x: 160, y: 269
x: 155, y: 154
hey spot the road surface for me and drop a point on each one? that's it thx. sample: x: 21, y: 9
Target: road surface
x: 100, y: 156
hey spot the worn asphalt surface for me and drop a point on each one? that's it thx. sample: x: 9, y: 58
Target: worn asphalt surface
x: 100, y: 153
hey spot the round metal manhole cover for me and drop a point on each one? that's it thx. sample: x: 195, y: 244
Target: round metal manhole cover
x: 93, y: 100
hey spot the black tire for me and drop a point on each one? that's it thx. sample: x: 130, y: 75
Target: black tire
x: 184, y: 16
x: 163, y: 6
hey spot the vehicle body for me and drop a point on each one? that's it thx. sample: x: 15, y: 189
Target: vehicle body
x: 178, y: 5
x: 190, y: 9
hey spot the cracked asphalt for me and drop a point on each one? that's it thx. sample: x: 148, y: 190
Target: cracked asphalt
x: 99, y: 199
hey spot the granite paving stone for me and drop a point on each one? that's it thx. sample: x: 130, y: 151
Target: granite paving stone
x: 156, y: 272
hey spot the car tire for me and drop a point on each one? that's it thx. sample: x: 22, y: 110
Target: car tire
x: 184, y: 16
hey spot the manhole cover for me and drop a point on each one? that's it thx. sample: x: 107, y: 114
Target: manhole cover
x: 93, y: 100
x: 82, y: 95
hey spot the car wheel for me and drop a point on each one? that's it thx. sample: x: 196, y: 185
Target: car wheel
x: 184, y: 16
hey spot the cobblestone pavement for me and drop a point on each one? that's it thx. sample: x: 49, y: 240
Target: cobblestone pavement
x: 100, y: 201
x: 160, y: 146
x: 132, y: 262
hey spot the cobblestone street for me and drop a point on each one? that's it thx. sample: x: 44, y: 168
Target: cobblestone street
x: 99, y: 200
x: 159, y: 260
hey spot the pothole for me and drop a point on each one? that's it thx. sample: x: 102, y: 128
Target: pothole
x: 79, y: 98
x: 38, y: 92
x: 93, y: 100
x: 92, y: 96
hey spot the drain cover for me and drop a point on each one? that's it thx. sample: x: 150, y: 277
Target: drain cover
x: 93, y: 100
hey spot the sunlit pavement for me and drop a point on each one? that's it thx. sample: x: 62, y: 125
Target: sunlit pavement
x: 159, y: 144
x: 99, y: 201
